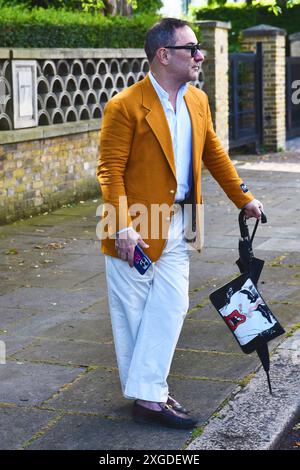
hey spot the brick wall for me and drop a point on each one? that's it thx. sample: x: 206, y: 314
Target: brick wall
x: 40, y: 175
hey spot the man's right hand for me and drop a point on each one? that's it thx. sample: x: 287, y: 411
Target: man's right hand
x: 125, y: 245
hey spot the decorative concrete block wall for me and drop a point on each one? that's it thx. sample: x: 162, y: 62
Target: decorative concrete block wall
x: 50, y: 158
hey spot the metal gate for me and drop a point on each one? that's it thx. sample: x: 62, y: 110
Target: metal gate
x: 245, y: 98
x: 292, y: 97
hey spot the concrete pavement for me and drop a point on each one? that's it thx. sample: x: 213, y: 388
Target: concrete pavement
x: 60, y: 387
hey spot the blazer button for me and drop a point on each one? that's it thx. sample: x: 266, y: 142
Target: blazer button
x: 172, y: 191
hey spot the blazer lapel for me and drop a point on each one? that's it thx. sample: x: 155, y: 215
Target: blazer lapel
x: 197, y: 116
x: 157, y: 120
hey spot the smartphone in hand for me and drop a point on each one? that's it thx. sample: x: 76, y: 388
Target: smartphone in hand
x: 141, y: 261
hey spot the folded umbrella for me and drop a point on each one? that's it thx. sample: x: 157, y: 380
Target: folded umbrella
x: 241, y: 305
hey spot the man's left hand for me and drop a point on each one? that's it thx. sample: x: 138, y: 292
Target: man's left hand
x: 253, y: 209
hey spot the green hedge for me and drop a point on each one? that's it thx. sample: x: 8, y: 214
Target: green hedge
x: 60, y: 28
x: 244, y: 17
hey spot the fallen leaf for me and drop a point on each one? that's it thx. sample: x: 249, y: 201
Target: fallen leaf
x: 12, y: 251
x: 55, y: 246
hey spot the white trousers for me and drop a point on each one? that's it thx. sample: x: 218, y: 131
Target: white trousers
x: 147, y: 313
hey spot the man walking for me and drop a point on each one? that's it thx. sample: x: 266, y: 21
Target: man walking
x: 154, y: 137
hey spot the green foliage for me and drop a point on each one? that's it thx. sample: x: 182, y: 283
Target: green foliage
x: 90, y: 6
x: 60, y: 28
x: 148, y: 6
x: 242, y: 17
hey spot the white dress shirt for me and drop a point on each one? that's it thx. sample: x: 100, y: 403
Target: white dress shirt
x: 181, y: 134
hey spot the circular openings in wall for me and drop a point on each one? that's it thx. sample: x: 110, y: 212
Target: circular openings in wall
x: 5, y: 123
x: 125, y: 67
x: 102, y: 68
x: 43, y: 86
x: 44, y: 118
x: 78, y: 98
x: 57, y: 84
x: 51, y: 101
x: 91, y: 97
x: 108, y: 84
x: 63, y: 68
x: 120, y: 82
x: 71, y: 115
x: 130, y: 79
x: 114, y: 67
x: 136, y: 66
x: 57, y: 117
x: 84, y: 114
x: 49, y: 68
x: 77, y: 68
x: 113, y: 93
x: 65, y: 100
x: 140, y: 76
x: 71, y: 84
x: 96, y: 112
x: 145, y: 66
x: 90, y: 67
x: 96, y: 83
x: 103, y: 98
x: 83, y: 83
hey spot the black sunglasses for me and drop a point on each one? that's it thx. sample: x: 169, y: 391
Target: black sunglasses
x: 193, y: 48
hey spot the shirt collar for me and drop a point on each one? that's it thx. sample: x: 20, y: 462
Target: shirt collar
x: 163, y: 94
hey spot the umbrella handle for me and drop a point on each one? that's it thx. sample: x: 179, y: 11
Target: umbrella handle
x: 244, y: 227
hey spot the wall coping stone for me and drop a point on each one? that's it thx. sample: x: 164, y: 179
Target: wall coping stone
x: 214, y: 24
x: 263, y: 30
x: 69, y: 53
x: 44, y: 132
x: 4, y: 53
x: 294, y: 37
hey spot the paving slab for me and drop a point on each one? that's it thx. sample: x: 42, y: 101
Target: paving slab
x: 30, y: 384
x: 207, y: 336
x: 78, y: 327
x: 14, y: 343
x: 20, y: 424
x: 211, y: 365
x: 76, y: 353
x: 48, y: 299
x: 93, y: 433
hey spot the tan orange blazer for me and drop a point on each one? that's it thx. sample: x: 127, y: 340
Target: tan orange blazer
x: 137, y: 160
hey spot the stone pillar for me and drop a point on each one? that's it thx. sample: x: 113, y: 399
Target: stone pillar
x: 274, y: 100
x: 214, y: 38
x: 294, y: 45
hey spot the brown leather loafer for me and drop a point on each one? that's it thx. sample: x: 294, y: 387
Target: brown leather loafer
x: 167, y: 416
x: 176, y: 406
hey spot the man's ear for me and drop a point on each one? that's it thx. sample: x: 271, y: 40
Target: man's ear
x: 162, y: 55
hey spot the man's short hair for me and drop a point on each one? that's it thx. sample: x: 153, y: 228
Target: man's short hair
x: 162, y: 34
